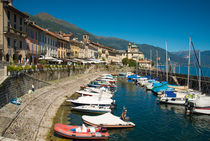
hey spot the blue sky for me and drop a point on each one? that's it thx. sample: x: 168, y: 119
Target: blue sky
x: 142, y: 21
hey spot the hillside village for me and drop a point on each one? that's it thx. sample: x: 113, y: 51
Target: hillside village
x: 23, y: 41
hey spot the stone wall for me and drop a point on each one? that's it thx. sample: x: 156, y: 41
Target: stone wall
x: 182, y: 79
x: 16, y: 86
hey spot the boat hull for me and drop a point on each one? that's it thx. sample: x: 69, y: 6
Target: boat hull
x: 65, y: 131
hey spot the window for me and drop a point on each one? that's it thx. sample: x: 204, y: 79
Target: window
x: 15, y: 18
x: 8, y: 41
x: 15, y: 43
x: 8, y: 14
x: 21, y: 28
x: 21, y: 44
x: 36, y: 48
x: 27, y: 46
x: 32, y: 48
x: 32, y: 34
x: 14, y: 26
x: 21, y: 20
x: 36, y: 35
x: 8, y: 26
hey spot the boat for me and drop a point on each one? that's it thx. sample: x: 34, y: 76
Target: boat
x: 91, y: 100
x: 16, y: 101
x: 81, y: 132
x: 179, y: 88
x: 200, y: 106
x: 122, y: 74
x: 92, y: 93
x: 93, y: 109
x: 178, y: 98
x: 107, y: 120
x: 98, y: 90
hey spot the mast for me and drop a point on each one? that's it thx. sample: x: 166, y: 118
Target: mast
x: 188, y: 77
x: 157, y: 61
x: 166, y: 63
x: 199, y: 71
x: 150, y: 62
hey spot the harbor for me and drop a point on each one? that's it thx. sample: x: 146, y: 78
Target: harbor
x: 153, y: 120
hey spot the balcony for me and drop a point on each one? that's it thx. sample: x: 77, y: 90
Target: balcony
x: 8, y: 29
x: 17, y: 49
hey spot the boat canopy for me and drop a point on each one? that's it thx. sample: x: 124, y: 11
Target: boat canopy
x: 106, y: 119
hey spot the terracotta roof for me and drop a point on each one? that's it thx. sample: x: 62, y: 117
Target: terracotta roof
x: 102, y: 46
x: 67, y: 35
x: 144, y: 61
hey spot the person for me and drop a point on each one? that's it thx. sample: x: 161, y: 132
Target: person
x: 33, y: 87
x: 123, y: 115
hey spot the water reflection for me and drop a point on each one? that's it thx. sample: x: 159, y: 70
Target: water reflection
x: 200, y: 122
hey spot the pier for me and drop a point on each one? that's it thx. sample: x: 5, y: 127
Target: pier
x: 179, y: 79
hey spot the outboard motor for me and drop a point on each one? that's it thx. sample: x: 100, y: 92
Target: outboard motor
x: 189, y: 106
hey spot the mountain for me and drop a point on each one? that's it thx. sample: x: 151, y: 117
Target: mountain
x: 205, y: 56
x: 47, y: 21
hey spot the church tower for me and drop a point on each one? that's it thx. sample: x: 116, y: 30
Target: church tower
x: 86, y: 38
x: 129, y: 47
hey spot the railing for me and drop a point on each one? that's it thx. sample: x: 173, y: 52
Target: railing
x: 8, y: 29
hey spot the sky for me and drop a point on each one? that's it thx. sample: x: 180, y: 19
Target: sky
x: 141, y: 21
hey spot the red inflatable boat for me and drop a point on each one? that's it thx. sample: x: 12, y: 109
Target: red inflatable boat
x: 81, y: 132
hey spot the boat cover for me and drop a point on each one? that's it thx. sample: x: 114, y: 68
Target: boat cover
x: 170, y: 94
x: 106, y: 119
x: 203, y: 101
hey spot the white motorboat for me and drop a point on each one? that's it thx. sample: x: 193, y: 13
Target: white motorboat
x: 93, y: 109
x: 98, y: 90
x: 201, y: 105
x: 178, y: 98
x: 107, y: 120
x: 92, y: 93
x: 92, y: 100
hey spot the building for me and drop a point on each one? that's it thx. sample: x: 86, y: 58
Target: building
x: 32, y: 43
x: 134, y: 53
x: 12, y: 33
x: 63, y: 46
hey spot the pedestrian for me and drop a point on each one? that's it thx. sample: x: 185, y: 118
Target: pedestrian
x: 33, y: 87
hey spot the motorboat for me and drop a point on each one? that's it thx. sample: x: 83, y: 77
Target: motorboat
x: 93, y: 109
x: 200, y: 106
x: 92, y: 93
x: 109, y: 120
x: 178, y: 98
x: 92, y: 100
x: 81, y: 132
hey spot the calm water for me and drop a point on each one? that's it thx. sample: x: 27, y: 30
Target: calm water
x: 193, y: 70
x: 153, y: 121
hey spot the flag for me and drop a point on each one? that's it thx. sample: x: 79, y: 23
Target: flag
x: 169, y: 59
x: 186, y: 56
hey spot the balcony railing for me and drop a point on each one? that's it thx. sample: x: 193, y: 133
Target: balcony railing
x: 8, y: 29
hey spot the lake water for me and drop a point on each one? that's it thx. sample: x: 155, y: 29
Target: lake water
x: 153, y: 121
x: 193, y: 70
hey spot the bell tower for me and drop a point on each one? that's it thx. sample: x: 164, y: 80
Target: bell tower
x: 86, y: 38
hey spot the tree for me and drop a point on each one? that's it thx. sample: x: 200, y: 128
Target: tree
x: 125, y: 61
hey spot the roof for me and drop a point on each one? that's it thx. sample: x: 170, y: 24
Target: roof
x: 17, y: 11
x: 68, y: 35
x: 144, y: 61
x: 134, y: 46
x: 102, y: 46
